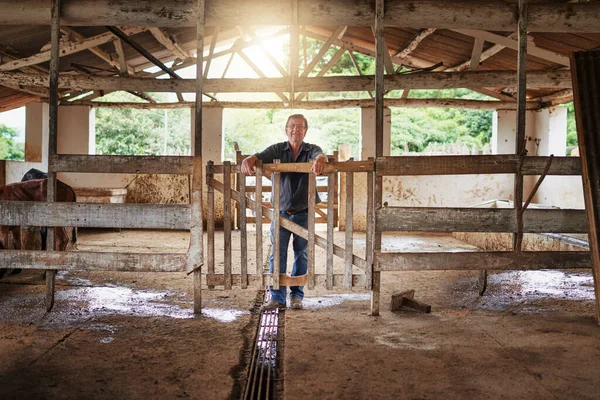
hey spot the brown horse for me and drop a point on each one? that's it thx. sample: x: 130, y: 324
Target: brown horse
x: 34, y: 190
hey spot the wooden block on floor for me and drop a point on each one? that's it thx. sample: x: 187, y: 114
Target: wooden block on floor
x: 397, y: 298
x: 406, y: 299
x: 416, y: 305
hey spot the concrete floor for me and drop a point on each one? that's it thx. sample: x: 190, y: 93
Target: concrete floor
x: 133, y: 335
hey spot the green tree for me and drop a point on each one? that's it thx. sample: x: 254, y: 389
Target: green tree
x: 9, y: 150
x: 571, y: 125
x: 142, y: 132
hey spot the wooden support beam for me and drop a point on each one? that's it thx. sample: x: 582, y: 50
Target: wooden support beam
x: 520, y: 149
x: 211, y: 51
x: 495, y: 49
x: 120, y: 63
x: 532, y: 49
x: 387, y: 58
x: 52, y: 136
x: 476, y: 54
x: 321, y: 104
x: 414, y: 42
x: 336, y: 57
x: 337, y: 34
x: 65, y: 50
x: 124, y: 37
x: 170, y: 43
x: 545, y: 17
x: 425, y: 80
x: 364, y: 47
x: 379, y: 125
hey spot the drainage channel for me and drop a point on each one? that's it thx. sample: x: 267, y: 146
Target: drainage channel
x: 264, y: 369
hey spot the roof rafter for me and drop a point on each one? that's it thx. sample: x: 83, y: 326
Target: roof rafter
x: 66, y: 50
x: 532, y: 49
x: 170, y: 43
x: 414, y: 42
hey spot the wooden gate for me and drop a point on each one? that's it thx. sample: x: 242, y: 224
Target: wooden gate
x: 357, y: 271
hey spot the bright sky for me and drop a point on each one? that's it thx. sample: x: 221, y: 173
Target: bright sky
x: 239, y: 68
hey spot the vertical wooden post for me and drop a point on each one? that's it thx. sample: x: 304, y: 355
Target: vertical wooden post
x: 331, y: 185
x: 196, y: 241
x: 52, y: 139
x: 243, y: 231
x: 335, y: 198
x: 294, y: 45
x: 239, y: 179
x: 258, y: 221
x: 195, y: 249
x: 210, y: 220
x: 349, y: 247
x: 312, y: 193
x: 2, y: 172
x: 585, y: 67
x: 276, y: 224
x: 370, y: 227
x: 227, y: 224
x: 379, y: 65
x: 521, y: 110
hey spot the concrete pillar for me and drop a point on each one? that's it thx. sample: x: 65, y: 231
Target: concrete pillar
x: 212, y: 134
x: 76, y: 130
x: 504, y: 131
x: 36, y: 143
x: 367, y: 132
x: 551, y: 131
x: 212, y: 150
x: 36, y: 132
x: 551, y: 138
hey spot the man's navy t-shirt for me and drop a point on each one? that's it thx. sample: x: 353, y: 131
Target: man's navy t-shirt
x: 294, y: 186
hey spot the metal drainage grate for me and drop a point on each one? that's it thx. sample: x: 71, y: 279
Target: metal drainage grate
x: 262, y: 371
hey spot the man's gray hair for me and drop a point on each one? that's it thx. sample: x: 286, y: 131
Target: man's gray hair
x: 297, y: 116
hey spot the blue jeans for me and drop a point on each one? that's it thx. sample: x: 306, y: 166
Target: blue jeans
x: 300, y: 256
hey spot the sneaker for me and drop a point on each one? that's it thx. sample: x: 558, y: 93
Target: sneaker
x: 272, y: 305
x: 296, y: 303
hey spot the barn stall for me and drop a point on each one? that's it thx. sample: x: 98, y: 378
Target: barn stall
x: 475, y: 51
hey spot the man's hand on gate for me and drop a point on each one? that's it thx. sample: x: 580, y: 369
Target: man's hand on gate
x: 248, y: 165
x: 318, y: 166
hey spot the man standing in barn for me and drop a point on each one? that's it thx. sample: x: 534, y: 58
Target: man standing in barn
x: 294, y: 203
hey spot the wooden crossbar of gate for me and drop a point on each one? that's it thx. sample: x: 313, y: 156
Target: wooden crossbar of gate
x: 357, y: 270
x: 322, y: 209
